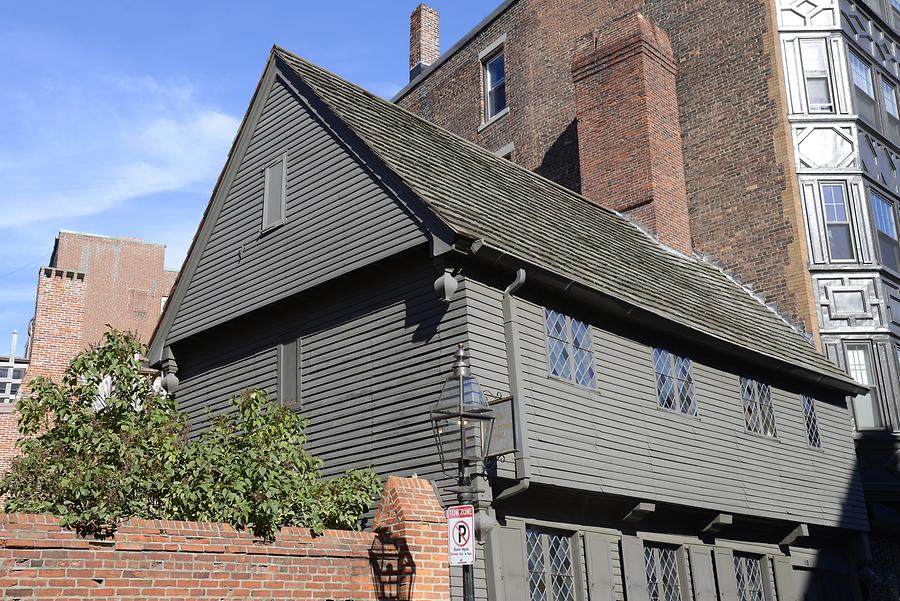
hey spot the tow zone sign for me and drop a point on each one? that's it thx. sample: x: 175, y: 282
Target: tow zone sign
x: 461, y: 535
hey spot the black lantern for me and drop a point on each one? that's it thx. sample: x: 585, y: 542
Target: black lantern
x: 462, y: 420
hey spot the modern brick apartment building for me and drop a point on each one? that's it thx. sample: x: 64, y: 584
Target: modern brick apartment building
x: 789, y: 139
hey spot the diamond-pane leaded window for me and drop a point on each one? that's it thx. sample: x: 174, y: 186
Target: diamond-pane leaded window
x: 570, y: 352
x: 748, y: 573
x: 759, y: 414
x: 674, y: 382
x: 812, y: 423
x: 551, y: 576
x: 661, y: 565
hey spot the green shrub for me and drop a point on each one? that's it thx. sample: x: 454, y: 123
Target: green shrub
x: 102, y: 446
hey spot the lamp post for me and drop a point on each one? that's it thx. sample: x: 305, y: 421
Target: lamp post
x: 462, y: 417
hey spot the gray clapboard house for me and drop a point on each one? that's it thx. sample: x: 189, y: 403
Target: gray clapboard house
x: 675, y: 438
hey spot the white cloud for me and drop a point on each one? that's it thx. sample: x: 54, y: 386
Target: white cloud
x: 80, y: 150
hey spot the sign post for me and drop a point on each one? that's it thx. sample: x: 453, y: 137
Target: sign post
x: 461, y: 535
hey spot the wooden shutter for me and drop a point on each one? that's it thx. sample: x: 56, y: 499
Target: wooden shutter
x: 601, y: 586
x: 704, y: 578
x: 784, y: 579
x: 513, y: 570
x: 635, y: 571
x: 725, y: 574
x: 289, y: 374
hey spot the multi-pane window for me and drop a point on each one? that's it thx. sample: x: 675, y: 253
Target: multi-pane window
x: 748, y: 573
x: 866, y: 412
x: 569, y: 349
x: 837, y: 222
x: 759, y: 414
x: 814, y: 55
x: 494, y: 85
x: 890, y: 99
x: 861, y: 74
x: 661, y: 567
x: 674, y: 382
x: 273, y: 201
x: 886, y: 224
x: 551, y: 574
x: 812, y: 422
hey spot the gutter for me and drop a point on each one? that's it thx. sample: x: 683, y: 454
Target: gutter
x: 645, y: 318
x: 516, y: 377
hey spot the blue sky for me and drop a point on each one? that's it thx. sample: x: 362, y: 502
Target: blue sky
x: 116, y: 116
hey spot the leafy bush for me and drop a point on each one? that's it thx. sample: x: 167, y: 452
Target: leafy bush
x: 103, y: 445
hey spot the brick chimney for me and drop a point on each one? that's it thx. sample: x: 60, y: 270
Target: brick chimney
x: 424, y: 39
x: 56, y: 334
x: 629, y: 139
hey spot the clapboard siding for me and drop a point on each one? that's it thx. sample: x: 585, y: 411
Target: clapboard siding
x: 337, y: 219
x: 617, y: 440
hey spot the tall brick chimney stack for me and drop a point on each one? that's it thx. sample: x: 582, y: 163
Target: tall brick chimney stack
x: 424, y: 39
x: 629, y: 138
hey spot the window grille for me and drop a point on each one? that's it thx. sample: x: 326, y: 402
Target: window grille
x: 674, y: 382
x: 812, y: 422
x: 661, y: 566
x: 861, y: 74
x: 551, y: 575
x: 494, y: 85
x: 569, y: 349
x: 837, y: 222
x: 748, y: 573
x: 866, y: 411
x: 759, y: 414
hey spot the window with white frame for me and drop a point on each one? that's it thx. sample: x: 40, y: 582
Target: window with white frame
x: 661, y: 568
x: 274, y: 196
x: 886, y: 224
x: 861, y: 74
x: 837, y: 221
x: 570, y: 353
x: 494, y: 84
x: 674, y: 382
x: 749, y: 576
x: 814, y: 55
x: 866, y: 411
x: 812, y: 422
x: 759, y: 414
x: 551, y: 573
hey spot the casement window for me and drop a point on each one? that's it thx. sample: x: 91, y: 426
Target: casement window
x: 866, y: 411
x: 837, y: 222
x: 748, y: 572
x: 661, y: 567
x: 494, y: 84
x: 861, y: 74
x: 759, y: 414
x: 274, y: 197
x: 551, y: 572
x: 674, y: 382
x: 812, y: 422
x: 814, y: 55
x: 570, y: 353
x: 886, y: 224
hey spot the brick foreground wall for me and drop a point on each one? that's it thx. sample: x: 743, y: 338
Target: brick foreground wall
x: 404, y: 557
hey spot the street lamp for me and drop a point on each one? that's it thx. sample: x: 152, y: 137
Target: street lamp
x: 463, y: 422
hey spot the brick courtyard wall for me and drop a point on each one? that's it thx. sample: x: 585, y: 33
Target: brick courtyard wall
x: 190, y: 560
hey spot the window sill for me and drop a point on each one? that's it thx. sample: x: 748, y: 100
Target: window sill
x: 687, y: 416
x: 493, y: 119
x: 762, y: 436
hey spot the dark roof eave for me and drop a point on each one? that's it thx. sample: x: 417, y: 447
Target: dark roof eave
x: 647, y: 318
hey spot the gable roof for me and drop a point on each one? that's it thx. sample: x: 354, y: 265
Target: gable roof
x: 483, y: 197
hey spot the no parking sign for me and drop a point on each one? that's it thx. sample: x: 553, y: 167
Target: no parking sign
x: 461, y: 535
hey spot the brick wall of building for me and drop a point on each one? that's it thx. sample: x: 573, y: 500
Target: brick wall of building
x: 738, y: 160
x: 403, y: 558
x: 126, y: 280
x: 59, y: 321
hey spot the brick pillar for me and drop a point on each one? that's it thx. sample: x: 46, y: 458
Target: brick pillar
x: 629, y: 138
x: 56, y: 335
x: 411, y: 516
x: 424, y: 39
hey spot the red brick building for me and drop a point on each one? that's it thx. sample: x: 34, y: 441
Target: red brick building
x: 92, y: 282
